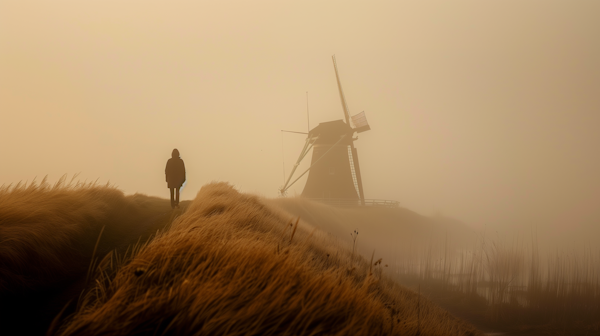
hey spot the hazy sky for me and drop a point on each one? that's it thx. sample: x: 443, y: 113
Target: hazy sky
x: 488, y: 111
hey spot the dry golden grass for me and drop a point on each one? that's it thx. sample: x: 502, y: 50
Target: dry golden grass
x: 233, y: 266
x: 48, y: 232
x: 50, y: 235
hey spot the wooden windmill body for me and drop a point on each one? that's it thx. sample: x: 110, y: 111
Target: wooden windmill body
x: 334, y: 173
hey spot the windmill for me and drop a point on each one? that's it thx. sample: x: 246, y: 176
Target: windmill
x: 334, y: 172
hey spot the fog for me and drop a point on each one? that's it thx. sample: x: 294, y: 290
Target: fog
x: 484, y: 111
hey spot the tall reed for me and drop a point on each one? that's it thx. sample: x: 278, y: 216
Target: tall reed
x: 519, y: 283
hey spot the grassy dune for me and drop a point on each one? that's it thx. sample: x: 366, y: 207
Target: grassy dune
x: 49, y: 235
x: 47, y: 230
x: 98, y: 262
x: 233, y: 266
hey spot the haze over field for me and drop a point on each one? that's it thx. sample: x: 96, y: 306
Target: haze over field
x: 486, y: 111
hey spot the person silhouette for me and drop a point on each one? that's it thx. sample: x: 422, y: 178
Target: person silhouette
x: 175, y: 174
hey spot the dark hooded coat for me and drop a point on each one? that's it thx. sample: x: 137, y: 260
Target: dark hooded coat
x: 175, y: 171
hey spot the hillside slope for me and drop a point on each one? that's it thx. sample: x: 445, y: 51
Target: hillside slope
x: 233, y: 266
x: 387, y: 231
x: 230, y: 264
x: 49, y: 236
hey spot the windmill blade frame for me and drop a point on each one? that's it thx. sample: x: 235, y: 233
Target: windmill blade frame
x: 342, y: 98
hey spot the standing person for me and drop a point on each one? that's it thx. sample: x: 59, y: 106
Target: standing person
x: 175, y: 172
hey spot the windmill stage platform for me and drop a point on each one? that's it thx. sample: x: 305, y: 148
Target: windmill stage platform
x: 351, y: 203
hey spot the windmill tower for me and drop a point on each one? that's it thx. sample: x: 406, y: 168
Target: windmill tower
x: 334, y: 173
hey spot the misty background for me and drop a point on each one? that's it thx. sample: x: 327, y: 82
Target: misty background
x: 484, y: 111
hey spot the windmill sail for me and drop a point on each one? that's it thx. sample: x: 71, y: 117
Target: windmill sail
x: 360, y: 122
x: 342, y: 98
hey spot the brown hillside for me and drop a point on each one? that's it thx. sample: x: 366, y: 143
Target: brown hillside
x: 48, y: 237
x: 233, y: 266
x: 387, y: 231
